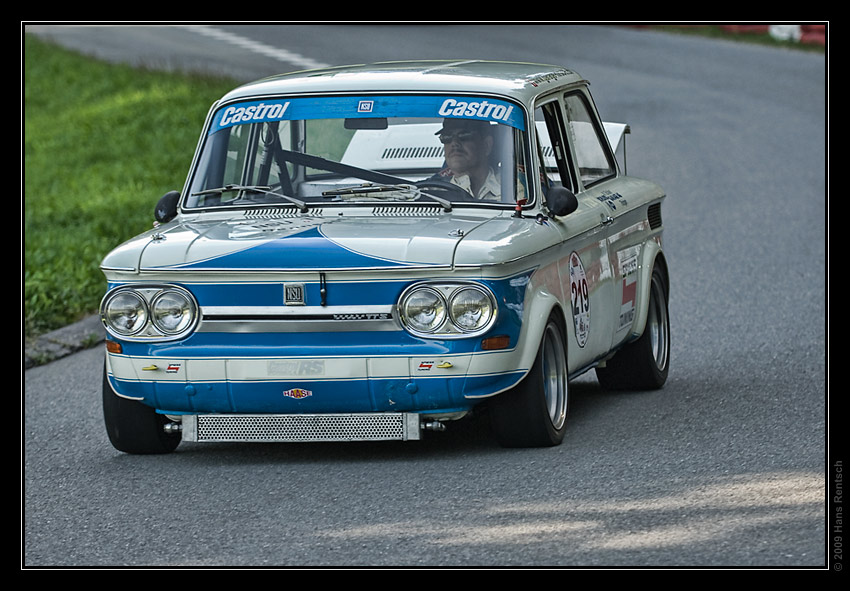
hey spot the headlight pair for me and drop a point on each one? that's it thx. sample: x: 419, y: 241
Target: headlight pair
x: 447, y: 309
x: 149, y: 312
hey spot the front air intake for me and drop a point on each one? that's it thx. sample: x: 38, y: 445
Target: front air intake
x: 261, y: 428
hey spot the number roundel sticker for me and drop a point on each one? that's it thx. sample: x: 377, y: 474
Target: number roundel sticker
x: 579, y: 293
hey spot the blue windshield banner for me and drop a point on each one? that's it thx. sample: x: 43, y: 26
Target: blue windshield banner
x: 291, y: 109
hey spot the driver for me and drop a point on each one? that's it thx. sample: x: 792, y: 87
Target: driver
x: 468, y: 145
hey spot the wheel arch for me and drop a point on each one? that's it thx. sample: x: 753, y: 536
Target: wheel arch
x: 651, y: 258
x: 540, y: 308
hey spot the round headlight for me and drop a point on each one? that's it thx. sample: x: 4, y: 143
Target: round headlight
x: 470, y: 309
x: 424, y: 310
x: 172, y: 312
x: 126, y: 313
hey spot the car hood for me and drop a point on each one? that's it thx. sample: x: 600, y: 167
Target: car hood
x: 319, y: 243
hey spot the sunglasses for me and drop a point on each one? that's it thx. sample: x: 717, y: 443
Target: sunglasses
x: 447, y: 137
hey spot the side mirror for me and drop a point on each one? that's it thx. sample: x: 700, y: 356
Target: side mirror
x: 561, y: 201
x: 166, y: 207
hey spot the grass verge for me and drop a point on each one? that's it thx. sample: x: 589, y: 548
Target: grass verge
x: 102, y: 143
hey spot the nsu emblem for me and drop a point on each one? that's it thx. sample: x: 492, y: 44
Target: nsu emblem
x: 293, y: 294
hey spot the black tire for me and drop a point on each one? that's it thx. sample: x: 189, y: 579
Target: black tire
x: 643, y: 364
x: 534, y: 413
x: 133, y: 427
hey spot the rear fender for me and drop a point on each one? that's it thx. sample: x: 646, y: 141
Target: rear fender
x: 651, y: 256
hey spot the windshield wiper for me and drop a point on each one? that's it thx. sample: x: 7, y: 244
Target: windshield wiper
x: 370, y: 188
x: 265, y: 190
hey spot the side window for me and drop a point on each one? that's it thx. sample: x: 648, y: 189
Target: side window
x: 593, y: 160
x: 553, y: 152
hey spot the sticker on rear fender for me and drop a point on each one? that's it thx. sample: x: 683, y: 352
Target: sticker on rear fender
x: 628, y: 262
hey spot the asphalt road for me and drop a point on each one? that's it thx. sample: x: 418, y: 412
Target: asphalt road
x: 728, y: 465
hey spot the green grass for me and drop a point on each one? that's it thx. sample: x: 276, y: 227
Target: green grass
x: 102, y: 143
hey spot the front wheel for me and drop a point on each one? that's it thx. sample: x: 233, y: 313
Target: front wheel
x: 133, y: 427
x: 534, y: 413
x: 643, y: 364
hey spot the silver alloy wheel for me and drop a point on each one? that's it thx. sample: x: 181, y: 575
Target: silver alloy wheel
x: 658, y: 325
x: 555, y: 386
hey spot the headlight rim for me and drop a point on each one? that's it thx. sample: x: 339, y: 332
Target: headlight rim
x: 406, y: 318
x: 110, y: 298
x: 447, y: 290
x: 190, y: 303
x: 487, y: 295
x: 148, y: 294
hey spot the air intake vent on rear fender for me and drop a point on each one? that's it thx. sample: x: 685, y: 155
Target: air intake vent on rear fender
x: 654, y: 216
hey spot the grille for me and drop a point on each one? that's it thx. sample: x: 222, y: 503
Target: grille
x: 302, y: 428
x: 406, y: 210
x: 278, y: 212
x: 654, y: 215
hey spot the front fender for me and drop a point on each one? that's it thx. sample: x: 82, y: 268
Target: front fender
x: 543, y: 296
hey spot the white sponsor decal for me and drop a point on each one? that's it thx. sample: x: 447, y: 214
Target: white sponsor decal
x: 475, y: 109
x: 253, y: 112
x: 628, y: 261
x: 293, y: 367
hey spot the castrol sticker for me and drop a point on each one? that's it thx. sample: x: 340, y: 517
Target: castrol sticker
x: 580, y: 296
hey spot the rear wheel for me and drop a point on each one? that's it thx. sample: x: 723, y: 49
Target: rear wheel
x: 133, y: 427
x: 534, y: 413
x: 643, y: 364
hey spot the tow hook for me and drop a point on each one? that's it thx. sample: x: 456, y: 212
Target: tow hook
x: 172, y: 428
x: 433, y: 426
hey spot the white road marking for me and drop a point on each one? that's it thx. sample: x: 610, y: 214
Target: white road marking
x: 260, y: 48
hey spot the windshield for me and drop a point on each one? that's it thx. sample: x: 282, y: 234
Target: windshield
x: 313, y: 151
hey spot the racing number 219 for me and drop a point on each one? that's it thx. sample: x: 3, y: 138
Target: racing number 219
x: 581, y: 303
x: 580, y: 296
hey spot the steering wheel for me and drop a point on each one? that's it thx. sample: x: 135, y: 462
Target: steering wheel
x: 450, y: 190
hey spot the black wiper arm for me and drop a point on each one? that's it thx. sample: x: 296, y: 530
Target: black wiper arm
x: 302, y: 206
x: 370, y: 188
x: 447, y: 205
x: 226, y: 188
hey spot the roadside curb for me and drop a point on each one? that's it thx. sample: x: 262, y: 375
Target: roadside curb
x: 62, y: 342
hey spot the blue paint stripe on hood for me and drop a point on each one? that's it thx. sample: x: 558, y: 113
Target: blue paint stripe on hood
x: 305, y: 250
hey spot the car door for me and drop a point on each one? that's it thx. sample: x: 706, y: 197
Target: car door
x: 585, y: 268
x: 623, y: 224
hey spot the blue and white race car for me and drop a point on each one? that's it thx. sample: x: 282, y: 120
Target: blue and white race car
x: 371, y: 252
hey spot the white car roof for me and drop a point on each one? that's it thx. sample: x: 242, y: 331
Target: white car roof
x: 521, y: 81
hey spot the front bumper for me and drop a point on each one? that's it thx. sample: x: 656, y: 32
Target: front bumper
x: 353, y: 359
x: 431, y: 382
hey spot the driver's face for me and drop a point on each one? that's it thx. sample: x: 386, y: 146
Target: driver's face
x: 465, y: 150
